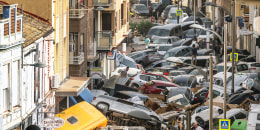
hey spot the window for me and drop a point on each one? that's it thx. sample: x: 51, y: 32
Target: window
x: 240, y: 115
x: 142, y: 77
x: 161, y: 87
x: 72, y: 120
x: 18, y: 26
x: 242, y: 67
x: 6, y: 29
x: 13, y: 20
x: 15, y: 83
x: 5, y: 87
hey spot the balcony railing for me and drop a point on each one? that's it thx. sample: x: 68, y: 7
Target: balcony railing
x: 77, y: 13
x: 77, y: 59
x: 103, y: 40
x: 103, y: 2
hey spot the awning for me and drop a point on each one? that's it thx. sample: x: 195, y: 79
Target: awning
x: 73, y: 86
x: 85, y: 95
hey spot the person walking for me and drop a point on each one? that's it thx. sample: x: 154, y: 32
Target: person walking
x: 194, y: 55
x: 147, y: 42
x: 217, y: 51
x: 157, y: 16
x: 180, y: 126
x: 123, y: 73
x: 196, y: 126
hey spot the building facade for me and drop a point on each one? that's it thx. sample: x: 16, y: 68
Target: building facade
x: 81, y: 43
x: 111, y: 28
x: 11, y: 40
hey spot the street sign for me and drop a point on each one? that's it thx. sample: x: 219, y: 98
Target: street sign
x: 111, y: 55
x: 235, y: 56
x: 178, y: 12
x: 224, y: 124
x: 96, y: 72
x: 52, y: 122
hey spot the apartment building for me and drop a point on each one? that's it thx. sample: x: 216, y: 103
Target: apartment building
x: 81, y: 44
x: 111, y: 28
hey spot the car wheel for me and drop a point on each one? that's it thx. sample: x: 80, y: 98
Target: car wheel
x: 200, y: 121
x: 103, y: 107
x: 135, y: 86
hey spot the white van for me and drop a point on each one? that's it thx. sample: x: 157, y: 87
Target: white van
x: 172, y: 17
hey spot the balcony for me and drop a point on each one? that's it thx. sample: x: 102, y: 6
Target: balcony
x: 103, y: 3
x: 77, y: 13
x: 77, y: 59
x: 103, y: 40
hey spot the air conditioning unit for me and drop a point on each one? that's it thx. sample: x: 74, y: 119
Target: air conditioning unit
x: 55, y: 81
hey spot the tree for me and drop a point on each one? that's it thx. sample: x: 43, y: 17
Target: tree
x: 144, y: 26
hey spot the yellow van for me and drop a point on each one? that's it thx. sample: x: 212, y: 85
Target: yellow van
x: 82, y: 116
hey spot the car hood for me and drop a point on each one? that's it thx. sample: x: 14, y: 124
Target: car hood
x: 143, y: 11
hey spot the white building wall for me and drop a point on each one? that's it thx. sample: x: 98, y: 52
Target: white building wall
x: 10, y: 66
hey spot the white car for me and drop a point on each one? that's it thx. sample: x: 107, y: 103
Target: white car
x: 232, y: 114
x: 131, y: 72
x: 140, y: 79
x: 179, y: 99
x: 172, y: 17
x: 201, y: 115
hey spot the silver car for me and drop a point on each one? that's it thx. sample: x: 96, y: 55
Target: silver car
x: 112, y: 104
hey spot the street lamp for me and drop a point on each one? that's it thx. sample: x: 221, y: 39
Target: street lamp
x: 39, y: 65
x: 214, y: 5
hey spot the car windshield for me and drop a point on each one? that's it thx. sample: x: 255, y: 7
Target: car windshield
x: 160, y: 41
x: 141, y: 7
x: 195, y: 72
x: 173, y: 16
x: 164, y: 48
x: 191, y: 32
x: 220, y: 68
x: 159, y: 32
x: 203, y: 32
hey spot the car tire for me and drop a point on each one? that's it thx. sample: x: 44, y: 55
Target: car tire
x: 200, y: 121
x: 102, y: 107
x: 135, y: 86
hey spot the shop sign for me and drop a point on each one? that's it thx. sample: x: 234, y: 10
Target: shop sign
x: 52, y: 122
x: 96, y: 72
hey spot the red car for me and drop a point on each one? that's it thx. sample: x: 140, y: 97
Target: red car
x: 157, y: 86
x: 160, y: 77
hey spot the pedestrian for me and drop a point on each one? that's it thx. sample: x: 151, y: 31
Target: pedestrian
x: 133, y: 50
x: 147, y: 42
x: 123, y: 73
x: 196, y: 126
x: 217, y: 51
x: 194, y: 54
x: 180, y: 126
x: 157, y: 16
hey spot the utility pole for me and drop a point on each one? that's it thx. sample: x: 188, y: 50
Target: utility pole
x: 213, y: 18
x: 225, y: 69
x: 178, y: 17
x: 211, y: 94
x: 233, y: 32
x: 194, y: 10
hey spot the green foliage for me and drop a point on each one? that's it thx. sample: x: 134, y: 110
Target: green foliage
x: 144, y: 26
x: 133, y: 26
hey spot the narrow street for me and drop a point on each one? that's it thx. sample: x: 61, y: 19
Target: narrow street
x: 187, y: 65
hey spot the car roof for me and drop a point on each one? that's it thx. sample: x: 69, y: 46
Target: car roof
x: 187, y: 23
x: 164, y: 82
x: 178, y: 48
x: 167, y: 37
x: 170, y: 26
